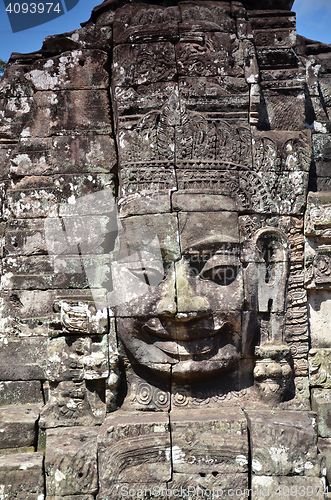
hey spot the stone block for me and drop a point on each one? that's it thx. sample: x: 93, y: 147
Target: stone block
x: 50, y: 196
x: 205, y: 16
x: 218, y: 93
x: 218, y: 56
x: 322, y: 170
x: 19, y: 426
x: 77, y: 358
x: 323, y: 184
x: 277, y: 58
x: 23, y: 359
x: 318, y: 255
x: 318, y: 215
x: 208, y: 442
x: 153, y: 235
x: 285, y: 157
x: 325, y: 88
x: 273, y: 372
x: 31, y: 313
x: 324, y: 446
x: 64, y: 155
x: 150, y: 204
x: 74, y: 403
x: 301, y: 400
x: 71, y: 462
x: 21, y: 392
x: 133, y: 448
x: 5, y: 154
x: 277, y: 38
x: 16, y: 103
x: 44, y: 272
x: 284, y: 443
x: 147, y: 69
x: 322, y: 149
x: 130, y: 24
x: 26, y: 312
x: 34, y: 236
x: 299, y: 352
x: 25, y: 237
x: 158, y: 177
x: 263, y: 19
x: 318, y: 272
x: 69, y: 112
x: 280, y: 107
x: 317, y: 114
x: 273, y: 488
x: 283, y: 77
x: 319, y: 307
x: 216, y: 228
x: 22, y: 476
x: 320, y: 368
x: 131, y: 100
x: 136, y: 147
x: 88, y: 316
x: 74, y: 70
x: 88, y: 37
x: 321, y: 404
x: 199, y: 202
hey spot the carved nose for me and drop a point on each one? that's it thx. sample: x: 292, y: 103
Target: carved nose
x: 167, y: 306
x: 181, y: 300
x: 188, y: 302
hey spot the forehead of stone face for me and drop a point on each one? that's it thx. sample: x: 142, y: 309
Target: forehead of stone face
x: 207, y: 230
x: 155, y: 234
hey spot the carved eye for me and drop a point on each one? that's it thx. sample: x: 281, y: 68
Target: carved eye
x: 222, y: 275
x: 148, y: 275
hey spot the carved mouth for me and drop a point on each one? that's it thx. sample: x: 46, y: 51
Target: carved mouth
x: 183, y: 331
x: 187, y: 341
x: 182, y: 350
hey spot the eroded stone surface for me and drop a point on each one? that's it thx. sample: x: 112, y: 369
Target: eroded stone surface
x: 19, y: 424
x: 284, y: 443
x: 134, y: 442
x: 208, y: 444
x: 273, y: 487
x: 22, y: 476
x: 71, y: 461
x: 320, y: 402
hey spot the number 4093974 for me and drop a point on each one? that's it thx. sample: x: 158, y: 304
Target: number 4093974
x: 33, y: 8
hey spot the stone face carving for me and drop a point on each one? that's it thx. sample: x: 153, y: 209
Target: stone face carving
x: 165, y: 274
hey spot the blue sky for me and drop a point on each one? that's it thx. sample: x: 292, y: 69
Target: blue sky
x: 313, y: 21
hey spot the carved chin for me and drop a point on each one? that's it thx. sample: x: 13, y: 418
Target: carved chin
x: 197, y: 370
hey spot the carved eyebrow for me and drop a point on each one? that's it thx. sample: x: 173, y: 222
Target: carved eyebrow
x: 214, y: 246
x: 219, y: 260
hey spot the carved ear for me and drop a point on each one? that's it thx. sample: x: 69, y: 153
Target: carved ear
x: 272, y: 269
